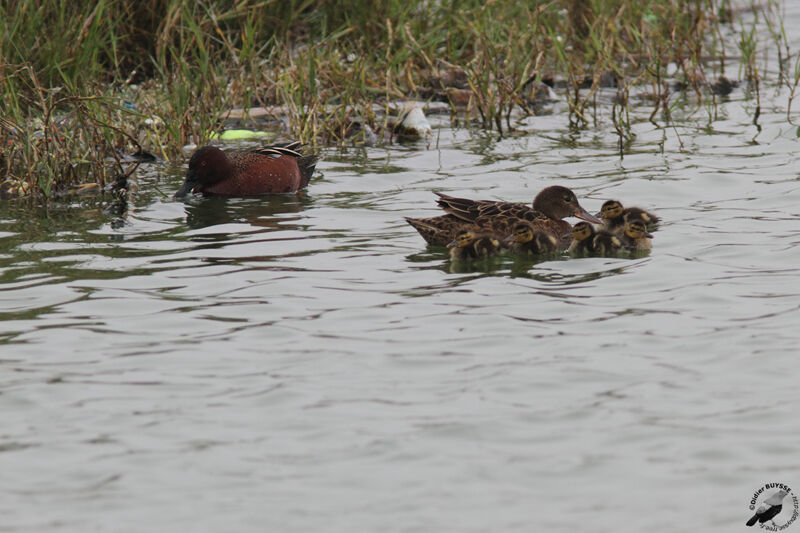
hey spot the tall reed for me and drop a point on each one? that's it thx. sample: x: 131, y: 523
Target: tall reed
x: 80, y: 81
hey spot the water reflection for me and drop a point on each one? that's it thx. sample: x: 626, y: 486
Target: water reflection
x: 263, y: 212
x: 540, y: 268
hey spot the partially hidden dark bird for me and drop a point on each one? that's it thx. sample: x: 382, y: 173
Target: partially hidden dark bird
x: 273, y: 169
x: 549, y: 207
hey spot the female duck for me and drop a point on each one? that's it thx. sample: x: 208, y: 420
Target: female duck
x: 550, y: 206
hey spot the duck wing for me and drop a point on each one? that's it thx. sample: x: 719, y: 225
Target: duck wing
x: 440, y: 230
x: 473, y: 210
x: 305, y: 163
x: 279, y: 149
x: 501, y: 217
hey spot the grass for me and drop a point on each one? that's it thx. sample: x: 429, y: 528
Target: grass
x: 82, y: 82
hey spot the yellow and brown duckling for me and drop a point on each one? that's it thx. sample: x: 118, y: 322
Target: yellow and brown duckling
x: 582, y: 234
x: 614, y: 216
x: 636, y: 238
x: 524, y: 240
x: 549, y: 207
x: 606, y: 244
x: 470, y: 245
x: 587, y: 241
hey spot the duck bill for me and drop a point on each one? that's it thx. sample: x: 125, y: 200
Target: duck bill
x: 648, y: 235
x: 451, y: 244
x: 583, y: 214
x: 188, y: 187
x: 508, y: 239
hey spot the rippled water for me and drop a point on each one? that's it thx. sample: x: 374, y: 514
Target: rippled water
x: 306, y: 363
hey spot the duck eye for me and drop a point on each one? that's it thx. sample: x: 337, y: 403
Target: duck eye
x: 203, y: 163
x: 567, y: 199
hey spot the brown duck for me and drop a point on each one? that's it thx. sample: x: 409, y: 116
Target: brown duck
x: 550, y: 206
x: 273, y: 169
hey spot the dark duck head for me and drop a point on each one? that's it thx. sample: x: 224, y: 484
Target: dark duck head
x: 207, y: 166
x: 559, y: 202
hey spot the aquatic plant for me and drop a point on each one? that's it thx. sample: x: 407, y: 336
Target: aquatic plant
x: 81, y: 82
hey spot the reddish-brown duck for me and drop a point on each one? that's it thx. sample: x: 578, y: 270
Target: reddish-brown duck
x: 273, y: 169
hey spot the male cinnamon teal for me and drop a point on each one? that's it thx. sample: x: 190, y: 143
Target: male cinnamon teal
x: 471, y: 245
x: 636, y: 237
x: 614, y: 216
x: 582, y: 234
x: 524, y: 240
x: 550, y: 206
x: 277, y: 168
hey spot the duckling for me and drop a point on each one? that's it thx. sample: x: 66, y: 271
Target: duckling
x: 606, y: 244
x: 649, y: 219
x: 525, y: 241
x: 582, y: 234
x: 614, y: 216
x: 471, y: 245
x: 636, y: 237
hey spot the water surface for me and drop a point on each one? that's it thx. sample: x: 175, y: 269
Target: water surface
x: 306, y: 363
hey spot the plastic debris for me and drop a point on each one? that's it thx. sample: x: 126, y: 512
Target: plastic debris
x: 412, y: 123
x: 238, y: 135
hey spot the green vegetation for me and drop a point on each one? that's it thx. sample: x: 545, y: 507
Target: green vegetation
x: 83, y: 82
